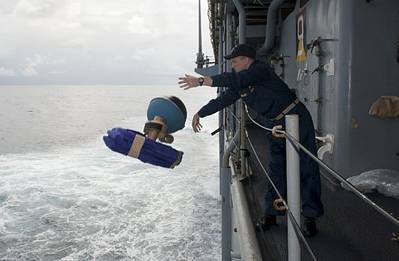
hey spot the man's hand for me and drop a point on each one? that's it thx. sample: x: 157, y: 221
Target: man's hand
x: 188, y: 82
x: 196, y: 123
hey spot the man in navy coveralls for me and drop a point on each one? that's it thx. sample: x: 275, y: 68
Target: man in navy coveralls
x: 264, y: 92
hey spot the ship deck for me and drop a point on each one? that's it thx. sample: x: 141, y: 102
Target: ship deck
x: 349, y: 230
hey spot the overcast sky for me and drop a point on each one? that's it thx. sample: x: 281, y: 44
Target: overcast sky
x: 99, y: 41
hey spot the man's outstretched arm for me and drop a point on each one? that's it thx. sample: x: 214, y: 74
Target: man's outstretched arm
x: 219, y: 80
x: 189, y: 81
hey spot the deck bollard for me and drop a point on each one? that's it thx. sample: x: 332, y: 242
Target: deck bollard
x: 293, y: 186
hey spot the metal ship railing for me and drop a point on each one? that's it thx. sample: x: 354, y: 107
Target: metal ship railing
x: 249, y: 248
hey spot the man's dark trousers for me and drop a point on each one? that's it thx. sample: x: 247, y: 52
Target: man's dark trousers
x: 309, y: 169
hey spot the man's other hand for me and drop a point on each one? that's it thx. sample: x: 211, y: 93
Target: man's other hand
x: 196, y: 123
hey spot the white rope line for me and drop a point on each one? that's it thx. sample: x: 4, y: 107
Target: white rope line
x: 298, y: 230
x: 343, y: 180
x: 296, y: 226
x: 299, y: 233
x: 331, y: 171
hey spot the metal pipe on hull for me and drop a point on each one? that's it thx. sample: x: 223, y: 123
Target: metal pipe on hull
x: 241, y: 40
x: 229, y: 22
x: 241, y: 21
x: 249, y: 248
x: 226, y: 198
x: 271, y: 26
x: 343, y: 86
x: 219, y: 91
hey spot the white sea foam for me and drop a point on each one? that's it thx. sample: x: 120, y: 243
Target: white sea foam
x: 85, y: 202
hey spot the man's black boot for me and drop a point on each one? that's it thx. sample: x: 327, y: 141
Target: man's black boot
x: 266, y: 222
x: 309, y: 227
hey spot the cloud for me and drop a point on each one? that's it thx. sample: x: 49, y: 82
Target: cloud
x: 7, y: 6
x: 39, y: 8
x: 144, y: 54
x: 32, y: 63
x: 4, y: 72
x: 29, y: 71
x: 97, y: 41
x: 136, y: 25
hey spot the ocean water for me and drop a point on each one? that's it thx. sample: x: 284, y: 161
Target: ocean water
x: 65, y: 196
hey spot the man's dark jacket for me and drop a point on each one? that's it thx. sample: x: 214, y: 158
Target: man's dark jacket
x: 268, y: 95
x: 259, y: 86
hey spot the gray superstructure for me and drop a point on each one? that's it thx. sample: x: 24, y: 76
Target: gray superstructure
x: 340, y: 57
x: 358, y: 46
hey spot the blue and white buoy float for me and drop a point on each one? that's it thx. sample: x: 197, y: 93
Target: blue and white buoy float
x: 165, y: 115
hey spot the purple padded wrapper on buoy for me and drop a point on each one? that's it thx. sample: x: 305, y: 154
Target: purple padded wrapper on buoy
x: 134, y: 144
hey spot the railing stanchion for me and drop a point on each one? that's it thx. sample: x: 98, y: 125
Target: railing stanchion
x: 293, y: 187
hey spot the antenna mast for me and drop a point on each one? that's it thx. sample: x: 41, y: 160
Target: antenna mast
x: 200, y: 55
